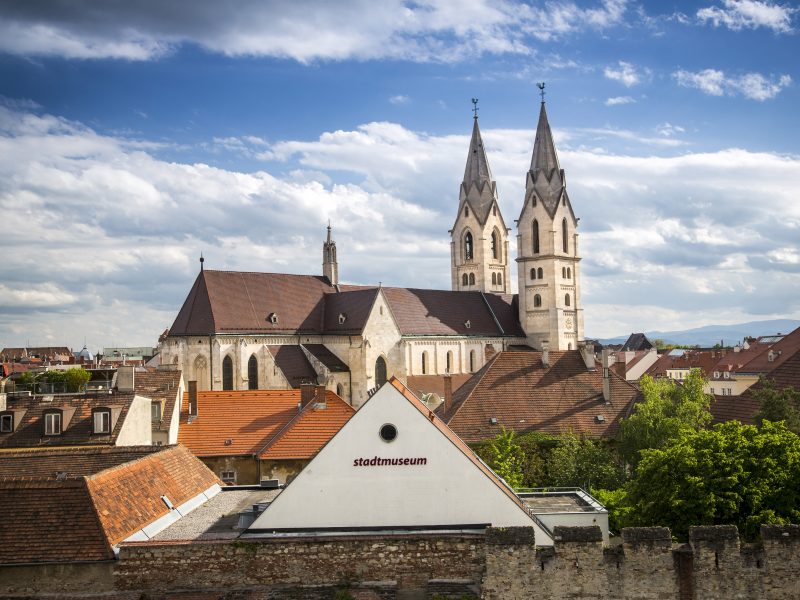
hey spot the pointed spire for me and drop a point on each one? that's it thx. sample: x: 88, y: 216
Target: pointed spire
x: 329, y: 231
x: 544, y: 150
x: 477, y: 163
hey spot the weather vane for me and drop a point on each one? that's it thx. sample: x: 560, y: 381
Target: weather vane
x: 541, y: 90
x: 475, y: 107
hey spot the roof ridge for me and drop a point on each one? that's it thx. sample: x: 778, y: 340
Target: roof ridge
x: 481, y: 373
x: 285, y: 429
x: 96, y: 513
x: 167, y: 449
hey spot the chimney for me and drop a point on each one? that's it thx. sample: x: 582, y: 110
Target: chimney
x: 192, y: 398
x: 319, y: 397
x: 448, y: 394
x: 545, y: 353
x: 607, y: 375
x: 587, y: 352
x: 309, y: 393
x: 125, y: 379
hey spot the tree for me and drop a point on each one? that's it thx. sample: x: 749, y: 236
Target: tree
x: 777, y: 405
x: 669, y: 410
x: 584, y: 463
x: 76, y: 379
x: 731, y: 474
x: 505, y: 457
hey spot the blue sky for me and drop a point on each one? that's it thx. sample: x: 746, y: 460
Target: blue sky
x: 134, y: 135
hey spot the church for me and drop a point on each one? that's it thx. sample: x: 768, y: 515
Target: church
x: 240, y: 330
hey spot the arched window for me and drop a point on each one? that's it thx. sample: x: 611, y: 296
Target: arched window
x: 537, y: 301
x: 449, y: 363
x: 539, y: 273
x: 569, y: 273
x: 564, y: 235
x: 563, y: 272
x: 472, y: 361
x: 201, y: 372
x: 495, y: 246
x: 533, y: 272
x: 227, y: 373
x: 252, y: 373
x: 340, y: 390
x: 566, y: 300
x: 535, y: 236
x: 499, y: 279
x: 468, y: 246
x: 465, y: 280
x: 472, y: 278
x: 424, y: 363
x: 494, y: 278
x: 380, y: 372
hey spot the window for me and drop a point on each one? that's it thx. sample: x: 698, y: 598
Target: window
x: 449, y: 363
x: 569, y: 273
x: 565, y: 242
x: 388, y: 432
x: 537, y: 301
x: 252, y: 373
x: 712, y: 391
x: 539, y: 273
x: 468, y: 246
x: 472, y: 361
x: 472, y: 278
x: 465, y: 280
x: 7, y: 423
x: 227, y: 373
x: 155, y: 412
x: 495, y: 246
x: 101, y: 421
x: 566, y: 300
x: 52, y: 423
x: 494, y: 210
x: 533, y: 273
x: 424, y: 363
x: 494, y: 278
x: 499, y: 279
x: 563, y: 272
x: 535, y: 236
x: 340, y: 390
x: 380, y: 371
x: 466, y: 211
x: 228, y: 477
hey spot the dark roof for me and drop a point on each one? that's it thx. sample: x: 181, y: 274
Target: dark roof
x: 292, y: 361
x: 517, y: 390
x: 46, y: 463
x: 734, y: 408
x: 636, y: 342
x: 226, y: 301
x: 327, y: 358
x: 11, y: 354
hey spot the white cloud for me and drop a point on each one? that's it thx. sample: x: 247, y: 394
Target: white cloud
x: 669, y: 130
x: 399, y: 99
x: 433, y: 30
x: 627, y: 74
x: 749, y: 14
x: 750, y: 85
x: 101, y: 239
x: 617, y: 100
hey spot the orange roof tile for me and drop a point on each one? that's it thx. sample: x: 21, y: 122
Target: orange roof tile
x: 310, y: 430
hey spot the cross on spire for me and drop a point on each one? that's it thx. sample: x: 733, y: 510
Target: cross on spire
x: 541, y: 90
x: 475, y: 108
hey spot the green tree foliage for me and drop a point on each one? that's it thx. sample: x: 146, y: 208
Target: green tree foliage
x: 778, y: 405
x: 731, y: 474
x: 616, y: 502
x: 71, y: 380
x: 505, y: 457
x: 76, y: 379
x: 584, y: 463
x: 668, y: 412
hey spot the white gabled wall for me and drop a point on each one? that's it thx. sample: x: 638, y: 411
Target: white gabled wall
x: 449, y: 489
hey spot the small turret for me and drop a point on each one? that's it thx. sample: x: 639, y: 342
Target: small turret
x: 330, y: 268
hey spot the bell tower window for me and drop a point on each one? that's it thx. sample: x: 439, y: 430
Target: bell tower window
x: 468, y: 246
x: 565, y: 241
x: 535, y: 236
x: 495, y: 246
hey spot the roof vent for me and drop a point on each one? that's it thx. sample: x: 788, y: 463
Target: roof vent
x: 342, y: 318
x: 61, y: 475
x: 272, y: 318
x: 467, y: 324
x: 600, y: 419
x: 493, y: 421
x: 228, y: 442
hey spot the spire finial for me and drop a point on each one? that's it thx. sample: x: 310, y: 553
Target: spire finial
x: 475, y: 108
x: 541, y: 90
x: 202, y: 260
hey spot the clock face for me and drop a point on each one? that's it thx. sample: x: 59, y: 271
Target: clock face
x: 568, y: 323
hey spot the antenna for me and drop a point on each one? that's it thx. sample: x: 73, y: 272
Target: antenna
x: 541, y: 90
x: 475, y: 108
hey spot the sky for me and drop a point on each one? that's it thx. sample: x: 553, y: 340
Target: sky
x: 136, y: 135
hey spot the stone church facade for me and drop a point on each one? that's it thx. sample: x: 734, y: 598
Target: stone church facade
x: 269, y: 330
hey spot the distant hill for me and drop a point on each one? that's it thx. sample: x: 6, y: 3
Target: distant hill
x: 709, y: 335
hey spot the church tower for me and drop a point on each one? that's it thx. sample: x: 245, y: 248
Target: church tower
x: 330, y: 268
x: 479, y: 237
x: 550, y: 308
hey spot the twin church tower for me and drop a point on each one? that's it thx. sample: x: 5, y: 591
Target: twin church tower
x: 548, y: 260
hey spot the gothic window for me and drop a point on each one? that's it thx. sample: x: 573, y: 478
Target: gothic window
x: 499, y: 279
x: 227, y: 373
x: 449, y: 364
x: 340, y: 390
x: 495, y: 246
x: 424, y: 363
x: 494, y: 278
x: 566, y: 300
x: 465, y: 280
x: 252, y: 373
x: 569, y: 273
x: 539, y: 273
x: 564, y: 235
x: 472, y: 278
x: 535, y: 236
x: 201, y: 372
x: 533, y: 272
x: 380, y: 371
x: 466, y: 211
x: 537, y: 301
x: 533, y: 200
x: 563, y: 272
x: 472, y: 361
x: 468, y: 246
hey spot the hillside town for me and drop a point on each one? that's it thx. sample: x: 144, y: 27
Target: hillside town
x: 290, y: 435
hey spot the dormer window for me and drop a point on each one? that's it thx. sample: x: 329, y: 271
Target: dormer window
x: 101, y: 421
x: 7, y: 423
x: 52, y: 423
x: 342, y: 318
x: 272, y: 318
x: 155, y: 411
x: 467, y: 324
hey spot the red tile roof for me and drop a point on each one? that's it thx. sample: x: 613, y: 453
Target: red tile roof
x: 309, y: 431
x: 522, y: 395
x: 237, y: 423
x: 434, y: 384
x: 780, y: 352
